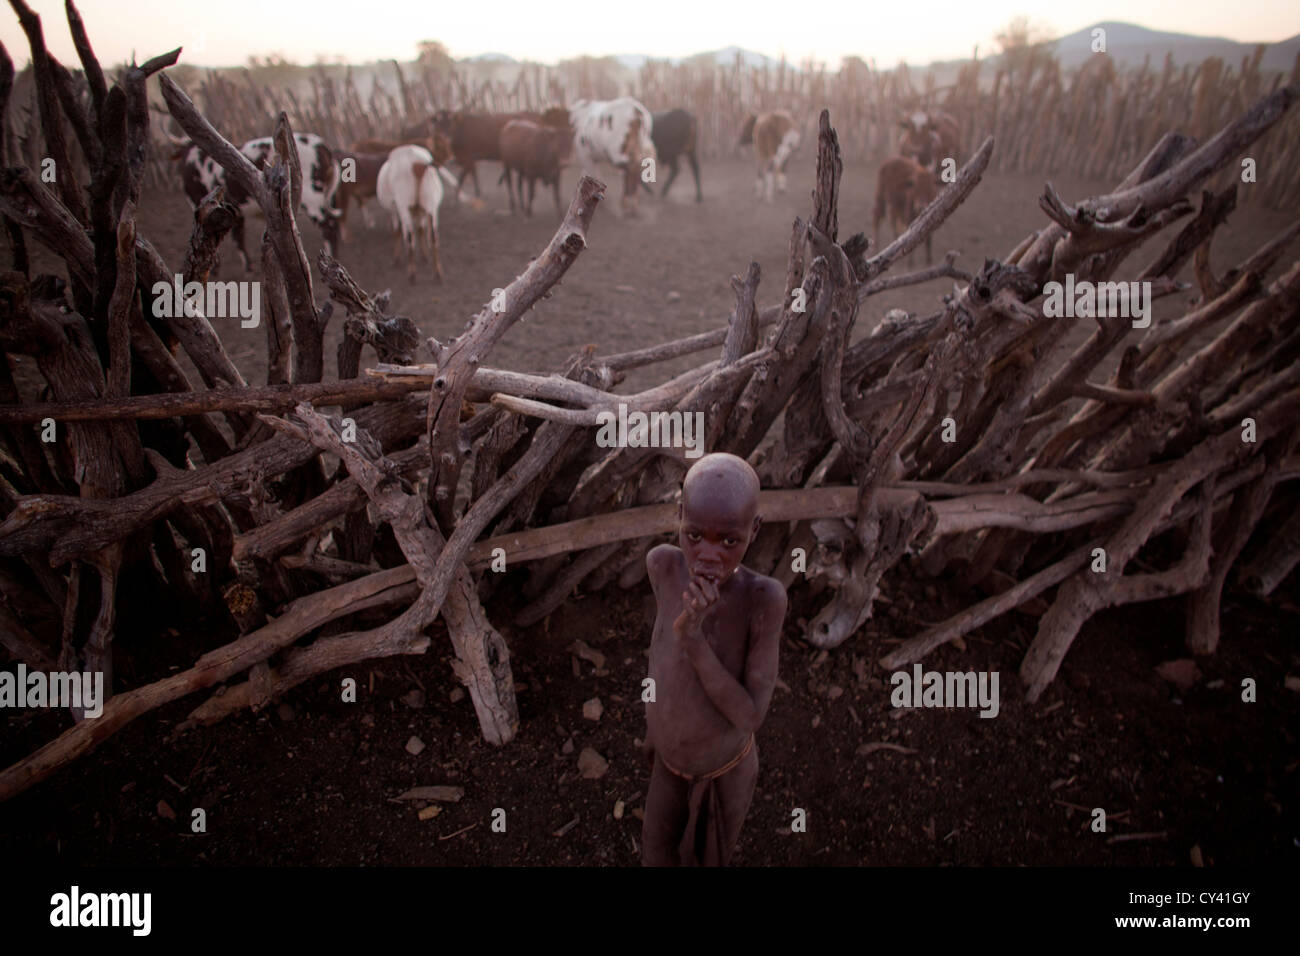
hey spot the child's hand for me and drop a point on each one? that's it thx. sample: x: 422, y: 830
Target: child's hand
x: 700, y: 595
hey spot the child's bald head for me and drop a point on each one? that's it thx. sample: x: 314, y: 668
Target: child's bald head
x: 719, y: 514
x: 721, y: 483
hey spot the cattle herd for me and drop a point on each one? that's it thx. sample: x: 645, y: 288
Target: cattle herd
x: 405, y: 176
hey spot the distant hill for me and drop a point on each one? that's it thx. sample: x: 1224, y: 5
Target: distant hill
x: 1129, y: 44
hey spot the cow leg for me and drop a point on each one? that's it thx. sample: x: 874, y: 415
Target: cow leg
x: 532, y: 191
x: 555, y: 185
x: 473, y: 171
x: 329, y: 230
x: 437, y: 261
x: 399, y: 240
x: 345, y: 234
x: 237, y: 234
x: 695, y: 170
x: 780, y: 180
x: 510, y: 188
x: 411, y: 240
x: 672, y: 174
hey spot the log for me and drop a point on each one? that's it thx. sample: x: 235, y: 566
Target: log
x: 463, y: 356
x: 482, y: 659
x: 1270, y: 565
x: 300, y: 618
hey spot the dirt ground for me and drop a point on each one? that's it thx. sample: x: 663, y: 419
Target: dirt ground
x: 313, y: 781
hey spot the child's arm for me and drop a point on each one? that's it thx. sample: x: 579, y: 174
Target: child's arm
x: 745, y: 706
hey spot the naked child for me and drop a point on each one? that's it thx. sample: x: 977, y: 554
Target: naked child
x: 713, y: 659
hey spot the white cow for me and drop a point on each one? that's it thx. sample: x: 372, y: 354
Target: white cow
x: 616, y: 132
x: 410, y: 189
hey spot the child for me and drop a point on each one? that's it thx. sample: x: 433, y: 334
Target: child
x: 713, y: 658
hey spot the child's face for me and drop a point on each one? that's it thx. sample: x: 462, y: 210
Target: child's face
x: 714, y: 538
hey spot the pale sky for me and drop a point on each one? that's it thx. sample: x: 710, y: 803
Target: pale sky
x: 226, y: 32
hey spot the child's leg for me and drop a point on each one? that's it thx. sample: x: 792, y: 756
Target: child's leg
x: 666, y: 812
x: 735, y: 791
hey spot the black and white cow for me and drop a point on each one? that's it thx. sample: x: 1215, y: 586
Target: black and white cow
x: 200, y: 174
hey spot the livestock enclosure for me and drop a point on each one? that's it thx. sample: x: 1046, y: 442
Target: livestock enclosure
x: 955, y: 466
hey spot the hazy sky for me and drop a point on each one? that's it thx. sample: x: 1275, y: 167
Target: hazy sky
x: 226, y: 32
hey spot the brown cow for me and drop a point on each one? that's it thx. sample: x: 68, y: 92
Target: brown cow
x: 930, y: 138
x: 533, y: 151
x: 477, y: 136
x: 903, y: 189
x: 775, y: 138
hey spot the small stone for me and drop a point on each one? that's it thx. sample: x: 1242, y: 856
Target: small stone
x: 618, y: 809
x: 429, y: 812
x: 817, y: 720
x: 457, y: 694
x: 592, y: 765
x: 414, y: 746
x: 592, y: 709
x: 638, y: 813
x: 1291, y: 683
x: 367, y: 720
x: 566, y: 748
x: 1197, y: 858
x: 673, y: 297
x: 587, y: 653
x: 285, y: 712
x: 1182, y: 673
x: 835, y: 692
x: 414, y: 699
x: 165, y: 811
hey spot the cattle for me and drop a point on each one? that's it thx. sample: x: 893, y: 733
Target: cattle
x: 200, y: 174
x: 930, y: 138
x: 675, y: 134
x: 619, y: 132
x: 903, y: 188
x: 358, y: 187
x: 360, y: 176
x: 475, y: 137
x: 775, y: 138
x: 532, y: 151
x: 409, y: 187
